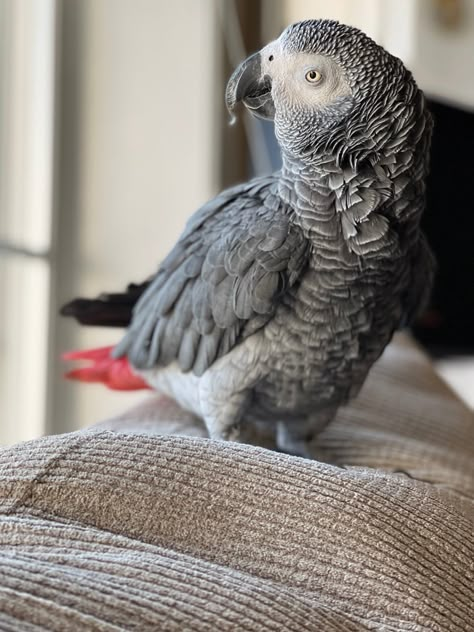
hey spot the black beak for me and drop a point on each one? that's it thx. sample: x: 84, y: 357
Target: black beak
x: 249, y: 86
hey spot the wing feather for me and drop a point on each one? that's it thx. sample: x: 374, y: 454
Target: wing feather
x: 221, y: 282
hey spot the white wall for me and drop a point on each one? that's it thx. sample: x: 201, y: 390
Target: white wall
x: 361, y: 13
x: 444, y: 57
x: 145, y: 156
x: 27, y: 62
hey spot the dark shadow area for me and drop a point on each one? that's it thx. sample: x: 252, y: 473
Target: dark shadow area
x: 447, y: 327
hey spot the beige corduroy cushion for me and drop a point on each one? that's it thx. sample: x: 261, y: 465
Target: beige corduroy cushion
x: 115, y: 530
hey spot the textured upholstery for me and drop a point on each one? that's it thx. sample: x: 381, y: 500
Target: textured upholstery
x: 122, y: 528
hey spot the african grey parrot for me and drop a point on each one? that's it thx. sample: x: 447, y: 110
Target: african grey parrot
x: 282, y: 292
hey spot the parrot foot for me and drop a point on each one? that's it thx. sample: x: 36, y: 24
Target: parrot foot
x: 223, y: 422
x: 300, y: 438
x: 231, y: 433
x: 290, y: 443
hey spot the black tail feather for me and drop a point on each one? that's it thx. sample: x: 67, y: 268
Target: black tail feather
x: 107, y: 310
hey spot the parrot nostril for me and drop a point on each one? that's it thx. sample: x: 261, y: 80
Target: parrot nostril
x: 271, y: 58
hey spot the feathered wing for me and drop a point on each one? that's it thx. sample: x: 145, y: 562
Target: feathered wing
x: 221, y: 282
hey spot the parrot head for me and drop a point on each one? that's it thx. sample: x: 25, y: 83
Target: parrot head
x: 327, y: 86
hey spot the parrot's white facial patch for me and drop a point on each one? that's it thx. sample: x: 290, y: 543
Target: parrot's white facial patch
x: 305, y: 80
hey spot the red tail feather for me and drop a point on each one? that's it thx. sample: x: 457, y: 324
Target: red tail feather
x: 114, y: 373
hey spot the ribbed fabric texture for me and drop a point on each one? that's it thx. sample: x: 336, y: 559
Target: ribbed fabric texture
x: 109, y: 529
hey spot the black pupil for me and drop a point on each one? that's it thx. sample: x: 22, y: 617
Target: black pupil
x: 312, y: 74
x: 270, y: 58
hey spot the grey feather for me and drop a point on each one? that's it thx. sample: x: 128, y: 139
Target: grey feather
x: 188, y: 349
x: 241, y: 258
x: 221, y: 303
x: 202, y: 311
x: 206, y: 353
x: 242, y: 298
x: 275, y: 237
x: 264, y: 287
x: 170, y: 340
x: 170, y: 292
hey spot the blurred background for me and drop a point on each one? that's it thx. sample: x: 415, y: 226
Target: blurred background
x: 113, y: 130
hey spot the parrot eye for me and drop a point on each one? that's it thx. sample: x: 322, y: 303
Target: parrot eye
x: 313, y: 76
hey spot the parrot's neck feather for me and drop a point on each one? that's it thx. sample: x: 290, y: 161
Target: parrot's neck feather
x: 342, y: 209
x: 311, y: 193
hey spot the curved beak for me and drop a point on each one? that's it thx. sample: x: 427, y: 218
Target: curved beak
x: 249, y: 85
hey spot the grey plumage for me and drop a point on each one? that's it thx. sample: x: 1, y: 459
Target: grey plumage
x: 224, y: 271
x: 282, y: 292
